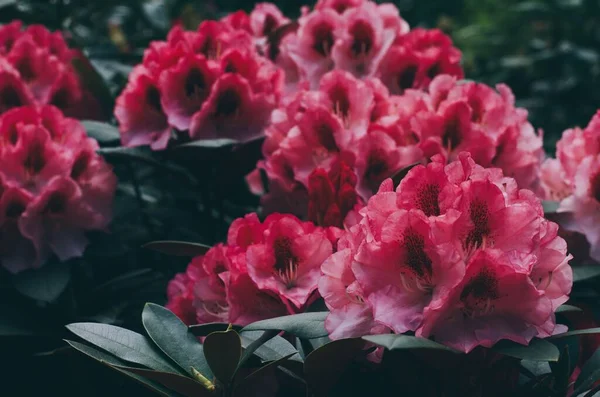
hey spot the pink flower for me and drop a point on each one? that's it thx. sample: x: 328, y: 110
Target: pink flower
x: 456, y: 252
x: 36, y: 68
x: 288, y: 262
x: 208, y: 84
x: 265, y: 18
x: 494, y: 301
x: 54, y: 187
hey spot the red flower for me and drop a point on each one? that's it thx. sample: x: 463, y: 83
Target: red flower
x: 54, y: 187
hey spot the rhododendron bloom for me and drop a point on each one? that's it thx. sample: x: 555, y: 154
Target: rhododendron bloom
x: 35, y: 66
x: 265, y: 270
x: 573, y: 178
x: 206, y: 84
x: 456, y: 252
x: 54, y: 187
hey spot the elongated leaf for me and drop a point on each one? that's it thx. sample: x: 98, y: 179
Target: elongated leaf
x: 223, y: 351
x: 102, y: 132
x: 304, y: 325
x: 405, y: 342
x: 117, y: 365
x: 266, y: 345
x: 123, y: 343
x: 44, y: 284
x: 538, y: 350
x: 208, y: 143
x: 590, y: 373
x: 581, y: 273
x: 264, y: 368
x: 567, y: 308
x: 577, y: 332
x: 173, y: 338
x: 177, y: 248
x: 183, y: 385
x: 562, y: 369
x: 324, y: 367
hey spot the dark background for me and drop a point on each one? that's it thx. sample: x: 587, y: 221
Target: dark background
x: 546, y: 51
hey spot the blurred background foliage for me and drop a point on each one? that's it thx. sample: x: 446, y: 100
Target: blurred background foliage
x: 547, y: 51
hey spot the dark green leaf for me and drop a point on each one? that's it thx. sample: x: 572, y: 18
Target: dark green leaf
x: 112, y: 362
x: 562, y: 369
x: 590, y: 373
x: 6, y: 3
x: 223, y: 351
x: 129, y: 153
x: 181, y: 384
x: 208, y: 143
x: 173, y: 338
x: 538, y: 350
x: 567, y: 308
x: 102, y: 132
x: 400, y: 174
x: 399, y: 342
x: 123, y: 343
x: 266, y: 345
x: 581, y: 273
x: 178, y: 248
x: 304, y: 325
x: 324, y: 367
x: 262, y: 369
x: 205, y: 329
x: 550, y: 207
x: 43, y: 284
x: 577, y: 332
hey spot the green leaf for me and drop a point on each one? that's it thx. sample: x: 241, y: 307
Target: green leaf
x: 128, y: 153
x: 102, y: 132
x: 590, y: 373
x: 562, y: 369
x: 538, y: 350
x: 123, y: 343
x: 266, y: 345
x: 405, y: 342
x: 6, y: 3
x: 576, y: 332
x: 567, y: 308
x: 550, y: 207
x: 581, y: 273
x: 181, y: 384
x: 207, y: 143
x: 400, y: 174
x: 303, y: 325
x: 223, y: 351
x: 173, y: 338
x: 324, y: 367
x: 263, y: 369
x: 43, y: 284
x: 113, y: 362
x: 177, y: 248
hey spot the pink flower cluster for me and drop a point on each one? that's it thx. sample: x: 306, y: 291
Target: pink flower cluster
x: 357, y: 36
x: 35, y: 68
x: 573, y: 178
x: 456, y: 253
x: 376, y: 134
x: 265, y: 270
x: 53, y: 187
x: 208, y: 84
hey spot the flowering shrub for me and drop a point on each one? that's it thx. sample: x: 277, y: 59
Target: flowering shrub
x: 265, y: 270
x: 206, y: 84
x: 573, y: 178
x: 53, y: 187
x: 458, y: 253
x: 35, y: 68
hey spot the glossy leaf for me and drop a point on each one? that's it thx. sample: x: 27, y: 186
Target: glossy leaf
x: 567, y: 308
x: 324, y: 367
x: 538, y: 350
x: 590, y: 373
x: 582, y: 273
x: 550, y: 207
x: 267, y: 345
x: 178, y: 248
x: 304, y: 325
x: 223, y: 350
x: 205, y: 329
x: 406, y: 342
x: 264, y: 368
x: 173, y: 338
x: 124, y: 344
x: 118, y: 365
x: 102, y: 132
x: 208, y: 143
x: 576, y: 332
x: 44, y: 284
x: 181, y: 384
